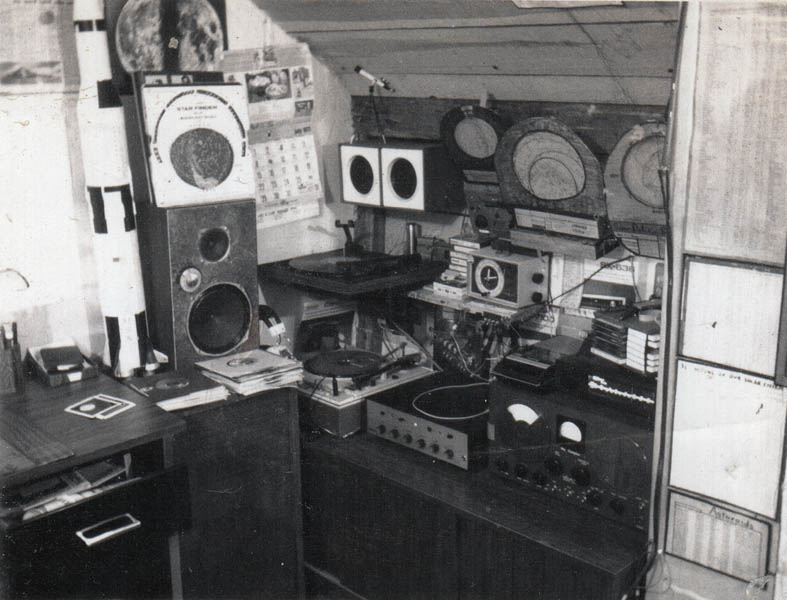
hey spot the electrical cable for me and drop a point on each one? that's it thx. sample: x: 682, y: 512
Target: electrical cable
x: 448, y: 387
x: 377, y: 115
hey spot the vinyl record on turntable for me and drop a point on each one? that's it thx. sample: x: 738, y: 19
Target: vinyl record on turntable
x: 343, y: 363
x: 542, y: 164
x: 327, y: 264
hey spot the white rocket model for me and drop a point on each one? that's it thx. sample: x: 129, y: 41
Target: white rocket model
x: 108, y: 182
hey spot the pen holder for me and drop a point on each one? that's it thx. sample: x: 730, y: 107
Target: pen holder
x: 12, y: 377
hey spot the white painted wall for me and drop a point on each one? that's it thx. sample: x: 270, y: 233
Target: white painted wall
x: 45, y: 232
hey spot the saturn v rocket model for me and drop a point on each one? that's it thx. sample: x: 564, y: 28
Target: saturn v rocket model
x: 108, y: 190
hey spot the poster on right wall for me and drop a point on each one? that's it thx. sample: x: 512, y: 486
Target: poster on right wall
x: 728, y: 436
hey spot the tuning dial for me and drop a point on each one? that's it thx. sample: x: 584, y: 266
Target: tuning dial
x: 520, y: 471
x: 408, y: 438
x: 580, y: 475
x: 449, y: 453
x: 537, y: 278
x: 617, y: 505
x: 502, y: 465
x: 537, y: 297
x: 394, y: 433
x: 381, y: 428
x: 421, y: 443
x: 593, y: 498
x: 435, y: 448
x: 553, y: 465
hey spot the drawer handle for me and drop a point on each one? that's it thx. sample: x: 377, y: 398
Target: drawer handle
x: 107, y: 529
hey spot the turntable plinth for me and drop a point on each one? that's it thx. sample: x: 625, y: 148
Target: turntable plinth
x: 354, y: 275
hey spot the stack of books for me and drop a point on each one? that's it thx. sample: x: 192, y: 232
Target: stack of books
x: 248, y: 373
x: 627, y: 339
x: 176, y: 390
x: 453, y: 281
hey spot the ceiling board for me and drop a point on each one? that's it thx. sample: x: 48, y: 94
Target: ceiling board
x: 624, y: 50
x: 297, y: 16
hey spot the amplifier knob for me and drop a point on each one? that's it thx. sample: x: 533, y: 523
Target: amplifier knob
x: 553, y: 465
x: 617, y: 505
x: 521, y: 471
x: 394, y: 433
x: 381, y: 428
x: 449, y: 453
x: 502, y: 465
x: 537, y: 278
x: 435, y: 448
x: 580, y: 475
x: 537, y: 297
x: 593, y: 498
x: 540, y: 478
x: 421, y: 443
x: 408, y: 438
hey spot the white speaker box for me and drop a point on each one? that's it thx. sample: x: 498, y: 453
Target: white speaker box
x: 360, y: 174
x: 420, y: 177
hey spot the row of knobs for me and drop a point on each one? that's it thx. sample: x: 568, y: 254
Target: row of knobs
x: 420, y: 442
x: 579, y: 474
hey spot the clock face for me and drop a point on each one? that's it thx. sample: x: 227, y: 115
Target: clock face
x: 489, y: 278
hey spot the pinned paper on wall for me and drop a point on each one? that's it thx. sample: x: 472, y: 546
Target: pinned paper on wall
x: 280, y: 92
x: 37, y: 53
x: 728, y: 435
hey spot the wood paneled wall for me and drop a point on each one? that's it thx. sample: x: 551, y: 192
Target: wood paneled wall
x: 600, y: 126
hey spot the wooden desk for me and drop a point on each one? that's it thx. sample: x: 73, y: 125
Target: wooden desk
x: 86, y: 439
x: 387, y: 522
x: 42, y: 556
x: 243, y: 458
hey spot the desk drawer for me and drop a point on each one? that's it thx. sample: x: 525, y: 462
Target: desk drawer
x: 121, y: 550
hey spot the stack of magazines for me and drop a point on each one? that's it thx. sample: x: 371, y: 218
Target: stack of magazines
x: 255, y: 371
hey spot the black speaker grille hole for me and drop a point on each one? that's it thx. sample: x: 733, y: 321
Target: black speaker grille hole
x: 404, y: 179
x: 220, y: 319
x: 361, y: 175
x: 214, y: 244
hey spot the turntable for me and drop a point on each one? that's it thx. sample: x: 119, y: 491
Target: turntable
x: 335, y: 384
x: 353, y: 271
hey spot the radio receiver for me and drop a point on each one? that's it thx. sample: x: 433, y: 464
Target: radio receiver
x: 543, y: 165
x: 471, y: 135
x: 634, y: 198
x: 571, y: 448
x: 509, y: 279
x: 197, y: 144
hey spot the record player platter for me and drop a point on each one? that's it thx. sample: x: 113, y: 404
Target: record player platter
x: 343, y: 363
x: 329, y: 265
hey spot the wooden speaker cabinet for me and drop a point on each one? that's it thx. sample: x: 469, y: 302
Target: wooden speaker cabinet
x: 200, y: 268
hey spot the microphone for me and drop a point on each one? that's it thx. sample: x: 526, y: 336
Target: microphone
x: 375, y: 80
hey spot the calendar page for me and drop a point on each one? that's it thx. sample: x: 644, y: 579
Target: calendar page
x: 280, y: 93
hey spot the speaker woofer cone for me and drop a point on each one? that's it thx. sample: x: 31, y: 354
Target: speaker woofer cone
x: 404, y: 179
x: 361, y: 175
x: 220, y: 318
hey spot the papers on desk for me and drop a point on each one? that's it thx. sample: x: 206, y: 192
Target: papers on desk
x: 251, y: 372
x: 48, y: 494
